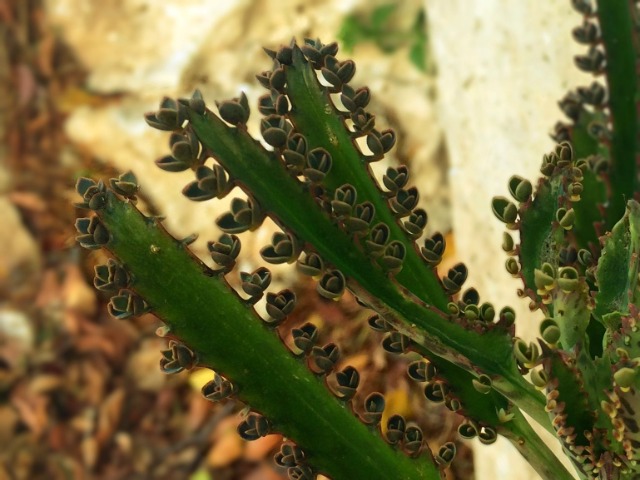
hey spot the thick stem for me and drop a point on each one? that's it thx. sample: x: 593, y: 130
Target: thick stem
x: 531, y: 446
x: 273, y: 187
x: 616, y: 26
x: 204, y: 313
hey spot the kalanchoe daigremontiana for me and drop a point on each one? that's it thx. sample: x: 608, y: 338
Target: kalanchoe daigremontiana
x: 209, y: 325
x: 578, y: 258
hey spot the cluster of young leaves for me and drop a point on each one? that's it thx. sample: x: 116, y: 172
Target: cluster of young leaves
x: 578, y: 250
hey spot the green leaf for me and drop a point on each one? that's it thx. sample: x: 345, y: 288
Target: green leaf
x: 225, y: 338
x: 617, y: 271
x: 380, y: 16
x: 619, y: 37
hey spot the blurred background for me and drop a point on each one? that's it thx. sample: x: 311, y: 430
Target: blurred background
x: 81, y: 394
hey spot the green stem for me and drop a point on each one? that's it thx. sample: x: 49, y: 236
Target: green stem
x: 323, y: 126
x: 461, y: 348
x: 534, y: 450
x: 227, y: 336
x: 273, y: 187
x: 616, y: 26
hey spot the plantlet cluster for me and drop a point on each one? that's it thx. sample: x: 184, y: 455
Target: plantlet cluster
x: 577, y: 257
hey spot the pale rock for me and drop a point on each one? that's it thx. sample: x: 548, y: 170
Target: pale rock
x: 17, y: 343
x: 17, y: 328
x: 137, y: 45
x: 502, y: 67
x: 20, y: 258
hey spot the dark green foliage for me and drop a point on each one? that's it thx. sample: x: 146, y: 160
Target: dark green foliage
x: 396, y: 427
x: 446, y: 454
x: 289, y: 455
x: 318, y: 165
x: 377, y: 323
x: 404, y: 201
x: 226, y: 335
x: 416, y: 223
x: 210, y: 183
x: 396, y: 343
x: 456, y: 276
x: 413, y: 438
x: 351, y: 232
x: 418, y: 370
x: 433, y: 249
x: 236, y: 111
x: 311, y: 264
x: 170, y: 116
x: 92, y: 233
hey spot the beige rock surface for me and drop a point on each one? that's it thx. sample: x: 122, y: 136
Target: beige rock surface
x: 502, y: 67
x: 137, y: 45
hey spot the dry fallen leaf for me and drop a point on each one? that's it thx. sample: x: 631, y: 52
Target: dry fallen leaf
x: 28, y: 201
x: 94, y: 375
x: 32, y: 409
x: 8, y: 422
x: 124, y: 442
x: 226, y: 450
x: 45, y: 383
x: 259, y: 449
x: 49, y: 293
x: 90, y: 449
x: 109, y: 415
x: 78, y: 296
x: 199, y: 409
x: 4, y: 475
x: 264, y: 472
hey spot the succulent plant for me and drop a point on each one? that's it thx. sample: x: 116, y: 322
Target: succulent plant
x: 578, y: 259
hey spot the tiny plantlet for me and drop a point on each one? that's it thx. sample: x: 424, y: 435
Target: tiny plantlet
x: 578, y: 260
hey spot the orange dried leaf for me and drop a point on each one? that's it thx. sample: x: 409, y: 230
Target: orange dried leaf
x: 260, y: 448
x: 109, y: 415
x: 226, y: 450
